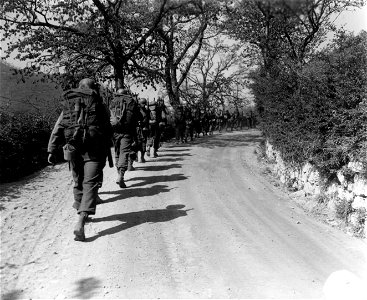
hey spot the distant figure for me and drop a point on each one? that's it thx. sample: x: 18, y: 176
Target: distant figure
x: 157, y: 119
x: 142, y: 129
x: 125, y: 117
x: 84, y: 131
x: 179, y: 119
x: 189, y: 125
x: 227, y: 119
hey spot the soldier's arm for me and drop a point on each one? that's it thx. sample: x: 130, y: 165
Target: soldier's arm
x: 57, y: 136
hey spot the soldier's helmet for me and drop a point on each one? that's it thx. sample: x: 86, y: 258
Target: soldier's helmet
x: 143, y: 101
x: 152, y: 102
x: 87, y: 83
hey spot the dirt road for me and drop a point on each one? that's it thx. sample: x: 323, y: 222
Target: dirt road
x: 199, y: 221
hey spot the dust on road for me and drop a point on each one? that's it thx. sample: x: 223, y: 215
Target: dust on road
x: 199, y: 221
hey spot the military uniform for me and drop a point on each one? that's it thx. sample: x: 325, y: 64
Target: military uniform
x: 125, y: 116
x: 89, y: 137
x: 142, y: 129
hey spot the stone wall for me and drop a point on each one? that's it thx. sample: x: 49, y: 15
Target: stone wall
x: 346, y: 196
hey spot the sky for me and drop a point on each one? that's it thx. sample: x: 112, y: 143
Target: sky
x: 355, y: 20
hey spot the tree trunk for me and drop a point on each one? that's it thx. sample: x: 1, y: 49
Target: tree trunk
x: 119, y: 78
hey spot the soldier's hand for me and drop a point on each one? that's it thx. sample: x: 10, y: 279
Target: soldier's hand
x: 51, y: 159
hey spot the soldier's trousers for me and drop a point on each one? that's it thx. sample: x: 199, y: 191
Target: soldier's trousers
x: 87, y: 176
x: 180, y: 132
x: 154, y: 137
x: 189, y: 132
x: 124, y: 151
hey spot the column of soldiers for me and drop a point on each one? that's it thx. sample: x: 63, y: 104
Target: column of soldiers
x: 192, y: 122
x: 87, y: 129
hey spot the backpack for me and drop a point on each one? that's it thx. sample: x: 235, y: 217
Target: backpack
x: 82, y: 108
x: 124, y: 108
x: 154, y: 117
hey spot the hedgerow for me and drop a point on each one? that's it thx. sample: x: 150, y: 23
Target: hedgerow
x: 23, y: 144
x: 317, y: 113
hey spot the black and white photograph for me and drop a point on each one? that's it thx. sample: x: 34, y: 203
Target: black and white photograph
x: 183, y: 149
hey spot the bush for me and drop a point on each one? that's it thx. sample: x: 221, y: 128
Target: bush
x: 23, y: 144
x: 318, y: 112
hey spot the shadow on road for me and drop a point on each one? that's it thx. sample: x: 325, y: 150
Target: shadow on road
x: 172, y: 148
x: 12, y: 295
x: 159, y: 167
x: 122, y: 194
x: 164, y: 159
x: 132, y: 219
x: 156, y: 179
x: 176, y: 154
x: 86, y: 287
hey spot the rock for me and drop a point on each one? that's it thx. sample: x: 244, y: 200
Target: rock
x: 355, y: 166
x: 332, y: 189
x: 341, y: 177
x: 360, y: 186
x: 350, y: 186
x: 359, y: 202
x: 354, y: 219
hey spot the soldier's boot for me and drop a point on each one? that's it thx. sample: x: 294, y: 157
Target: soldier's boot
x: 79, y: 227
x: 130, y: 166
x: 118, y: 176
x: 142, y: 158
x: 153, y: 152
x: 121, y: 181
x: 99, y: 200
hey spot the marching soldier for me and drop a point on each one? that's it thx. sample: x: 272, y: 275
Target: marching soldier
x: 142, y: 130
x: 84, y: 130
x: 125, y: 116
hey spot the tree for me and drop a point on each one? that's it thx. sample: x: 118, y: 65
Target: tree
x: 217, y: 76
x: 82, y: 36
x: 181, y: 35
x: 286, y: 32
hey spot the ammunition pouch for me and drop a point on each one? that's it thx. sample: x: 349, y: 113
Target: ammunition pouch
x: 69, y: 152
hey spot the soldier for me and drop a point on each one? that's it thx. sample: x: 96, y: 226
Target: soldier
x: 163, y: 112
x: 179, y: 119
x: 204, y: 121
x: 212, y: 122
x: 125, y: 116
x: 227, y: 119
x: 197, y: 123
x: 84, y: 129
x: 142, y: 129
x: 155, y: 124
x: 235, y: 120
x: 189, y: 125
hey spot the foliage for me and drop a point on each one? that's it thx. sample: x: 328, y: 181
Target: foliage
x: 283, y: 30
x: 23, y: 144
x: 322, y: 120
x: 82, y: 37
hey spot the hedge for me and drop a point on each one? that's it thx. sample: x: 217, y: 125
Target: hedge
x: 23, y: 144
x: 317, y: 113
